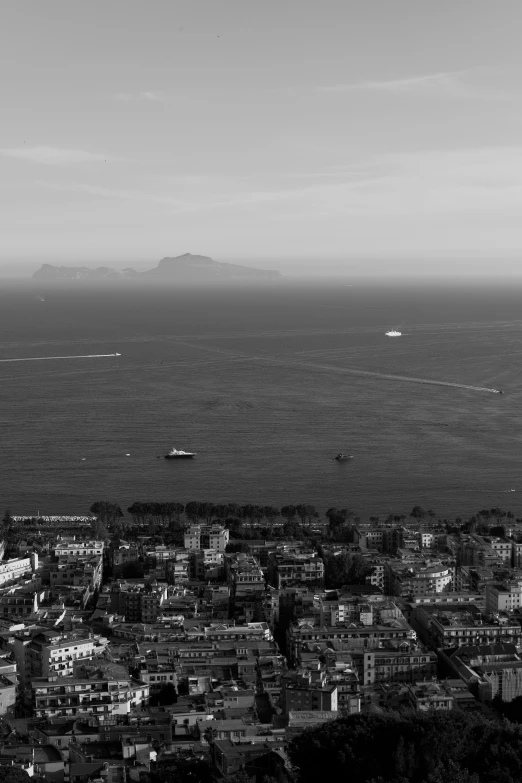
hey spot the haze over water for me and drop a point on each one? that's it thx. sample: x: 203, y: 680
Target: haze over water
x: 256, y: 381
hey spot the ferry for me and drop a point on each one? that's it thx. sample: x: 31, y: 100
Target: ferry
x: 175, y: 454
x: 393, y: 333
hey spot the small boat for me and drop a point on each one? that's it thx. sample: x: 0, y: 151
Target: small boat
x: 393, y: 333
x: 175, y: 454
x: 343, y: 457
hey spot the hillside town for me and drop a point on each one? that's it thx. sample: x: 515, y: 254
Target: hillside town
x: 127, y: 647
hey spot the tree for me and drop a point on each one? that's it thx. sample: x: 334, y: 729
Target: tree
x: 270, y: 513
x: 418, y: 513
x: 412, y: 748
x: 289, y: 513
x: 167, y: 695
x: 293, y: 530
x: 13, y: 775
x: 336, y: 518
x: 238, y: 546
x: 237, y: 777
x: 210, y: 734
x: 105, y: 511
x: 450, y: 772
x: 306, y: 513
x: 193, y: 511
x: 99, y: 530
x: 182, y: 770
x: 359, y: 570
x: 345, y: 569
x: 498, y: 514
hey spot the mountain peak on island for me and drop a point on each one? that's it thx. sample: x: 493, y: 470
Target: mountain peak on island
x: 185, y: 268
x: 204, y: 267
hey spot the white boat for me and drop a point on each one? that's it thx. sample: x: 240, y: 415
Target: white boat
x: 175, y: 454
x: 393, y: 333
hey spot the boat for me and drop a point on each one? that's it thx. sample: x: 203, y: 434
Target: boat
x: 393, y: 333
x: 343, y: 457
x: 175, y: 454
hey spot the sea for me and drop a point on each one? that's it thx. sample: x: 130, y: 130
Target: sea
x: 267, y: 384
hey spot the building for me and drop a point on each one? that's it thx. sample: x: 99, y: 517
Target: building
x: 403, y: 665
x: 206, y: 537
x: 488, y: 670
x: 7, y: 695
x: 102, y: 689
x: 506, y: 597
x: 418, y: 577
x: 13, y: 570
x: 70, y: 547
x: 207, y: 565
x: 426, y: 696
x: 51, y: 653
x: 306, y: 689
x: 289, y: 569
x: 138, y: 602
x: 460, y: 624
x: 45, y: 761
x: 358, y: 637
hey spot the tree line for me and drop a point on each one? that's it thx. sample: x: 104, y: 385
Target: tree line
x: 144, y: 513
x: 410, y: 747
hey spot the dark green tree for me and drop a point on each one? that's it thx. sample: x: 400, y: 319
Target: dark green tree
x: 106, y: 511
x: 14, y: 775
x: 99, y: 530
x: 181, y: 770
x: 289, y: 513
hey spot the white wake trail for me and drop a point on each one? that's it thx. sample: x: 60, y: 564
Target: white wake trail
x: 51, y: 358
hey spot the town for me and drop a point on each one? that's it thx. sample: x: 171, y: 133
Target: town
x: 214, y: 635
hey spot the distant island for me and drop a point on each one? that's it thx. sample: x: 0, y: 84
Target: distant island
x: 187, y: 267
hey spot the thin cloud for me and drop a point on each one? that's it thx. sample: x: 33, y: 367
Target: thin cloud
x: 482, y: 181
x: 53, y: 156
x: 149, y: 96
x: 448, y: 82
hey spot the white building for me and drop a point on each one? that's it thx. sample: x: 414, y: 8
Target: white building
x: 503, y: 597
x: 206, y: 537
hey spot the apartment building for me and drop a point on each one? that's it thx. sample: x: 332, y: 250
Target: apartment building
x: 77, y: 571
x: 429, y: 696
x: 123, y: 554
x: 458, y: 624
x: 361, y: 610
x: 207, y: 565
x: 244, y: 575
x: 488, y: 670
x: 139, y: 602
x: 104, y: 691
x: 406, y: 664
x: 15, y: 569
x: 206, y: 537
x: 305, y: 689
x: 504, y: 597
x: 418, y: 577
x: 49, y: 653
x: 67, y: 547
x: 357, y: 636
x: 382, y: 538
x: 289, y: 569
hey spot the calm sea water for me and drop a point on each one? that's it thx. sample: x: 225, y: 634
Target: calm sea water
x: 259, y: 382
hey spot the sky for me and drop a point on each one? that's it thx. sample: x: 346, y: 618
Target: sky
x: 294, y: 134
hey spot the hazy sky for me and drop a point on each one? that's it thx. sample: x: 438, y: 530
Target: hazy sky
x: 260, y: 129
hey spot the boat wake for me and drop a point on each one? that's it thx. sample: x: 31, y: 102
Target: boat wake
x: 385, y: 376
x: 235, y: 357
x: 52, y: 358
